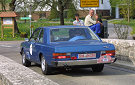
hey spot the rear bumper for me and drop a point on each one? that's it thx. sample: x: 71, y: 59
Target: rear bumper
x: 79, y: 62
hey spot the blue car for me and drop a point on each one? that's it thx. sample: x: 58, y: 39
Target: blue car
x: 66, y: 46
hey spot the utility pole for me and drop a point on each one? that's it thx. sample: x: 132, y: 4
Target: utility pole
x: 31, y: 31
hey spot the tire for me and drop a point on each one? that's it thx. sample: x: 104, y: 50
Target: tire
x: 25, y: 62
x: 98, y: 68
x: 44, y: 66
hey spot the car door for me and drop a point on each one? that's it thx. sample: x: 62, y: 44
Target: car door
x: 32, y: 44
x: 37, y: 46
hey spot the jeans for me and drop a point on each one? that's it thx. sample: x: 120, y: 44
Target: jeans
x: 95, y: 28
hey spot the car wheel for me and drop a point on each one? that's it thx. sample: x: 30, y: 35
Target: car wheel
x: 25, y: 62
x: 98, y: 68
x: 44, y: 66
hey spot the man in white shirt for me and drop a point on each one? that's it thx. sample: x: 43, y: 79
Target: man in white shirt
x: 78, y: 21
x: 92, y: 22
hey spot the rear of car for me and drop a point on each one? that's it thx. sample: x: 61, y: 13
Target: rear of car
x: 76, y: 54
x: 67, y: 46
x: 79, y: 47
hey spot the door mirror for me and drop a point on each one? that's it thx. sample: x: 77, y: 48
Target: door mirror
x: 26, y: 39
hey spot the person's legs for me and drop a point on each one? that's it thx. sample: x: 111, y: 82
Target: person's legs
x: 93, y: 27
x: 97, y: 29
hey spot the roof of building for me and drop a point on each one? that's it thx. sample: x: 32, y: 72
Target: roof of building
x: 8, y: 14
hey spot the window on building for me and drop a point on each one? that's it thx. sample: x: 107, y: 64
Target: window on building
x: 102, y: 1
x: 42, y: 15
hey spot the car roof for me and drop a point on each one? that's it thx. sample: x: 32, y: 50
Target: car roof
x: 64, y: 26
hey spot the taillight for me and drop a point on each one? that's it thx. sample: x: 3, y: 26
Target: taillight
x: 109, y: 53
x: 73, y: 58
x: 60, y: 55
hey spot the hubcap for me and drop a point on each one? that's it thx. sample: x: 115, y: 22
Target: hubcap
x: 43, y: 64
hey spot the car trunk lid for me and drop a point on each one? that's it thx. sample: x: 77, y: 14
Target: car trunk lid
x: 82, y: 46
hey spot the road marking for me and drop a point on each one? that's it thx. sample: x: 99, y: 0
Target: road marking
x: 6, y: 46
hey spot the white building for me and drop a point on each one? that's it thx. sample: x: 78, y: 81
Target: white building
x: 104, y: 9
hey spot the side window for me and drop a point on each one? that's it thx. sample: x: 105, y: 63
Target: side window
x: 41, y: 36
x: 35, y: 35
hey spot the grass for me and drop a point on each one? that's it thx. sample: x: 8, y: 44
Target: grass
x: 25, y: 28
x: 125, y: 22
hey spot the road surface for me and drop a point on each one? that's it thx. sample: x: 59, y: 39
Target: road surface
x: 110, y: 76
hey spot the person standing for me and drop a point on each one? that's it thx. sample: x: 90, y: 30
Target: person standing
x: 78, y: 21
x: 92, y: 21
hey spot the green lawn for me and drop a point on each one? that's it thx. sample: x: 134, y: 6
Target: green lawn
x: 125, y: 22
x: 24, y: 28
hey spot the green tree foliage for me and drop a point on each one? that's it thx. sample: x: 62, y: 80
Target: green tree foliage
x: 3, y: 4
x: 114, y: 3
x: 54, y: 12
x: 71, y: 11
x: 57, y: 7
x: 127, y: 7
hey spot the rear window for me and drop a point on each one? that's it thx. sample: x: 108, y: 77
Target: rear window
x: 71, y: 34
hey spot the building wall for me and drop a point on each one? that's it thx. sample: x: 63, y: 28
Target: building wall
x: 82, y: 13
x: 47, y: 14
x: 104, y: 13
x: 35, y: 16
x: 105, y: 5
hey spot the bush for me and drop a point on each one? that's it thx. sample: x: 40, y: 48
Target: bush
x: 54, y: 14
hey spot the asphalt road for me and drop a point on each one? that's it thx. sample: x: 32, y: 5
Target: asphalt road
x: 110, y: 76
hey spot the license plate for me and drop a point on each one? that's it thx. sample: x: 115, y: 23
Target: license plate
x: 104, y: 59
x: 90, y: 55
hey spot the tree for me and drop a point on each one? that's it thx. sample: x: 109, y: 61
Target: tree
x: 54, y: 12
x: 60, y: 5
x: 12, y: 8
x: 12, y: 5
x: 3, y: 4
x: 127, y: 7
x: 71, y: 11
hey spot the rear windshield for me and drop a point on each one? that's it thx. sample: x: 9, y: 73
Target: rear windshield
x: 71, y: 34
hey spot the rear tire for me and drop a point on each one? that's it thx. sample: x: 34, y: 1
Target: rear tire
x: 98, y: 68
x: 44, y: 66
x: 25, y: 62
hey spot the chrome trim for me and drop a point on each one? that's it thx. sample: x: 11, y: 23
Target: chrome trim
x: 105, y: 46
x: 78, y: 62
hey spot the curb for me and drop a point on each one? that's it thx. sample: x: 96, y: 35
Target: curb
x: 12, y: 73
